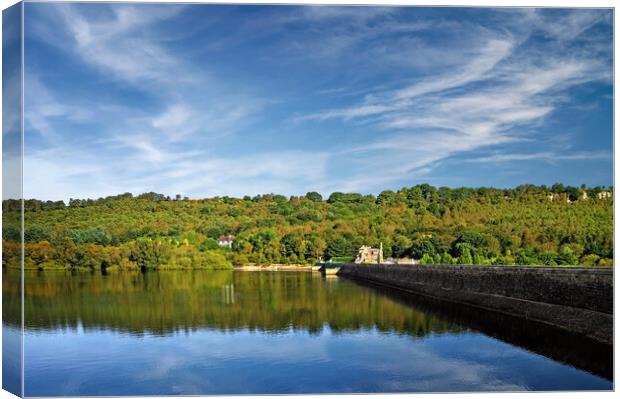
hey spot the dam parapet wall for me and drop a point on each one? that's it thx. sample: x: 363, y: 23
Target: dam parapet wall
x: 576, y: 299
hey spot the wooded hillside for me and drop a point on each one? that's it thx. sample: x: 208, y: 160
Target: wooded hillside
x: 528, y: 225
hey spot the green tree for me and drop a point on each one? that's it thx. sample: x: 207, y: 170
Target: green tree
x: 340, y: 247
x: 567, y: 257
x: 401, y: 246
x: 446, y: 259
x: 314, y: 196
x: 215, y: 260
x: 208, y: 244
x: 421, y: 248
x: 151, y: 254
x: 590, y: 260
x: 386, y: 197
x: 465, y: 258
x: 426, y: 260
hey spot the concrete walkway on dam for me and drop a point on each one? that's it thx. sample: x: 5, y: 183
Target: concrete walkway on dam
x: 576, y: 299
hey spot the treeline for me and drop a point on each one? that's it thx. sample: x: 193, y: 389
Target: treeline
x: 527, y: 225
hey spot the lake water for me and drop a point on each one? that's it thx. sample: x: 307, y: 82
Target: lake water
x: 280, y: 332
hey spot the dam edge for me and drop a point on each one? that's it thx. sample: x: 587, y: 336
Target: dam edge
x: 575, y: 299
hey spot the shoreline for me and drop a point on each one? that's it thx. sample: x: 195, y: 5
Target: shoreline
x: 302, y: 267
x: 242, y: 268
x: 274, y: 268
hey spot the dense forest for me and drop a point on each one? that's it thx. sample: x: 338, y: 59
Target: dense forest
x: 527, y: 225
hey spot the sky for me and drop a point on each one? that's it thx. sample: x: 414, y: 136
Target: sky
x: 214, y: 100
x: 11, y: 103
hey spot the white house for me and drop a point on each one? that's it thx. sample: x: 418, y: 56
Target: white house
x: 226, y: 241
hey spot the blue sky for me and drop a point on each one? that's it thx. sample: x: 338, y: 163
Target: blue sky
x: 206, y: 100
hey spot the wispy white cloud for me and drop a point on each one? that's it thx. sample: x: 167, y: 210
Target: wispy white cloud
x: 11, y: 89
x: 43, y: 107
x: 487, y: 57
x: 563, y: 27
x: 279, y: 172
x: 356, y: 13
x: 546, y: 156
x: 118, y: 45
x: 131, y: 147
x: 499, y: 88
x: 386, y: 98
x: 64, y: 173
x: 477, y: 68
x: 173, y: 117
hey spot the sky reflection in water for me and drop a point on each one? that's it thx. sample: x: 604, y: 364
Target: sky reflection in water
x: 273, y: 333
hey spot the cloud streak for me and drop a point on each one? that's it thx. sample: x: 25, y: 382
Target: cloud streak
x: 203, y: 100
x: 547, y: 156
x: 501, y: 89
x: 122, y: 44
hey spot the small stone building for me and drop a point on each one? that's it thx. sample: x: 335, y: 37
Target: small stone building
x: 367, y: 254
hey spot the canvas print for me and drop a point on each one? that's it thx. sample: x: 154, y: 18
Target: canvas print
x: 209, y: 199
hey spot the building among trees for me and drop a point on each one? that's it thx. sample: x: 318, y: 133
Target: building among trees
x: 367, y: 254
x: 226, y: 241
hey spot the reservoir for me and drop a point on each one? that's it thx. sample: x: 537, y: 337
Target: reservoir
x: 225, y: 332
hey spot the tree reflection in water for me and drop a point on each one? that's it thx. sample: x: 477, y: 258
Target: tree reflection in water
x: 163, y: 303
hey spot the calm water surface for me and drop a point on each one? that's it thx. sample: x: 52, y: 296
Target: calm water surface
x: 281, y: 332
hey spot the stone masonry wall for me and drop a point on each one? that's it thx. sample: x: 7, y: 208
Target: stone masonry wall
x: 577, y: 299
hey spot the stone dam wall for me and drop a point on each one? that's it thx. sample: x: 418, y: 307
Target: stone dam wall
x: 579, y: 300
